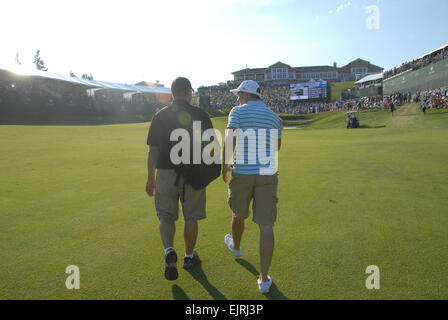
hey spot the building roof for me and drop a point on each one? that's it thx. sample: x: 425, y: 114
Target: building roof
x: 361, y: 60
x: 149, y: 84
x: 372, y: 77
x: 146, y: 89
x: 311, y: 68
x: 249, y: 70
x: 280, y: 64
x: 314, y: 68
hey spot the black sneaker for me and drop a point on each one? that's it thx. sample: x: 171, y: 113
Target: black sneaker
x: 189, y: 263
x: 170, y: 265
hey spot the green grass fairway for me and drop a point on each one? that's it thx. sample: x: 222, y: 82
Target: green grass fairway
x: 75, y: 195
x: 338, y: 87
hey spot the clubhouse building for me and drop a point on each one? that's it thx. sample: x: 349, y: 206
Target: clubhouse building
x: 283, y: 74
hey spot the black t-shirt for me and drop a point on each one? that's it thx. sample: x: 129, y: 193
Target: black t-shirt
x: 179, y: 114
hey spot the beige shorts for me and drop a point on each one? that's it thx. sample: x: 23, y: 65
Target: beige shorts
x: 167, y: 197
x: 262, y: 190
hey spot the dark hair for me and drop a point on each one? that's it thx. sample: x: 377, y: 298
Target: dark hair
x: 254, y: 96
x: 180, y: 87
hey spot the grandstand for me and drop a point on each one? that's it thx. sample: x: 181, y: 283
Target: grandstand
x: 426, y: 72
x: 368, y: 86
x: 421, y: 74
x: 418, y: 63
x: 33, y: 95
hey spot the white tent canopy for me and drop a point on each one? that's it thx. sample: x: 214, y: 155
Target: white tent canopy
x: 146, y: 89
x: 101, y: 85
x: 49, y: 75
x: 429, y: 53
x: 372, y: 77
x: 114, y: 86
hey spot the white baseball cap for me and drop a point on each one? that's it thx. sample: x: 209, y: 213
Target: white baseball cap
x: 248, y: 86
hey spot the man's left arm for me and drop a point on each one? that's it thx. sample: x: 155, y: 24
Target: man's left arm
x: 279, y: 136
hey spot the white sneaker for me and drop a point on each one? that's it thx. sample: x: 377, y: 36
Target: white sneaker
x: 228, y: 240
x: 264, y: 286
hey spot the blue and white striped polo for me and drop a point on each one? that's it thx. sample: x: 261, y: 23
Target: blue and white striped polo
x: 259, y: 127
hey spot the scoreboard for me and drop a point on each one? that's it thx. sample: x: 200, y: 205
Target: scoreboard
x: 312, y: 90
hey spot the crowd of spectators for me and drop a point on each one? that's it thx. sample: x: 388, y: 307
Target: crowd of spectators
x: 278, y: 100
x: 276, y: 97
x: 432, y: 99
x: 418, y: 63
x: 220, y: 97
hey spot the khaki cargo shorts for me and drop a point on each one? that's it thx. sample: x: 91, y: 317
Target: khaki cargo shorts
x: 167, y: 197
x: 262, y: 190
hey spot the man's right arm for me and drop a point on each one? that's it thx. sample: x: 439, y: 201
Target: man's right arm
x: 227, y: 151
x: 279, y: 144
x: 279, y: 140
x: 230, y: 142
x: 153, y: 155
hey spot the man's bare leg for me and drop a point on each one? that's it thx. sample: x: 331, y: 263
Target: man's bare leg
x: 190, y: 236
x: 237, y: 231
x: 167, y: 230
x: 266, y: 250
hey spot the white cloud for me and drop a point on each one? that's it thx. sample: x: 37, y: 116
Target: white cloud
x: 343, y: 6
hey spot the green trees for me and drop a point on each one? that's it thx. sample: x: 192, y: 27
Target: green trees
x: 38, y: 62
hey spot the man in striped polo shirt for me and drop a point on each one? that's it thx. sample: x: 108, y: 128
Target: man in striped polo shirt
x: 255, y: 132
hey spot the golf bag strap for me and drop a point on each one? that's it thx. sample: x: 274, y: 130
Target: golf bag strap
x: 176, y: 183
x: 182, y: 199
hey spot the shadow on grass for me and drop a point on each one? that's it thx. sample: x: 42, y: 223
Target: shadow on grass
x: 274, y: 293
x: 407, y: 115
x: 178, y: 293
x: 433, y: 113
x: 71, y: 122
x: 198, y: 274
x: 371, y: 127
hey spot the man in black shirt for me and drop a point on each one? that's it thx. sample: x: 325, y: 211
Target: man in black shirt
x: 168, y: 186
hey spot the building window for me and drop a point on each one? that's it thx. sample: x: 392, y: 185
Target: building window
x: 317, y: 75
x: 279, y: 73
x: 361, y: 70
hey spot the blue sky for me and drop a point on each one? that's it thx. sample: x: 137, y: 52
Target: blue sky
x: 205, y: 40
